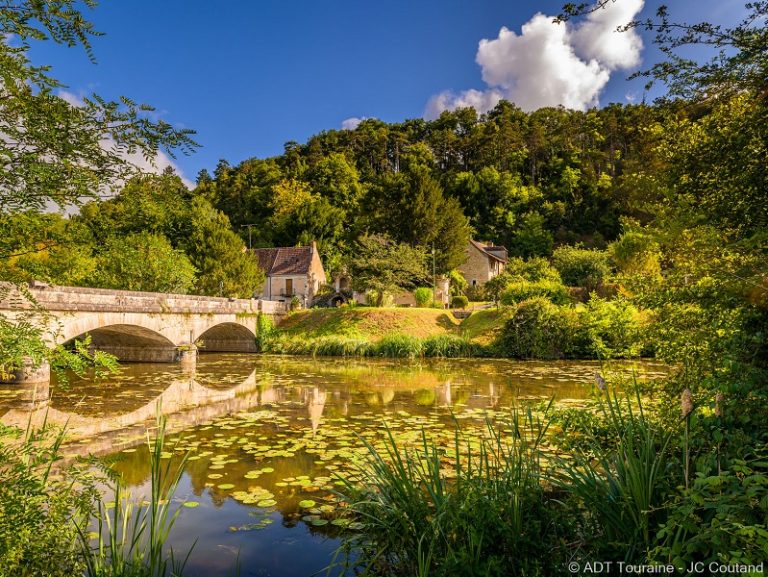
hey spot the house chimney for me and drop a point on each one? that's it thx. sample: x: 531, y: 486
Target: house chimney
x: 314, y: 246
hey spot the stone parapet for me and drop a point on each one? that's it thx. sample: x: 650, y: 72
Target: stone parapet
x: 60, y: 298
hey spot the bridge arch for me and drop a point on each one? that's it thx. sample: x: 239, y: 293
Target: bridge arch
x: 230, y: 337
x: 128, y: 342
x: 146, y: 325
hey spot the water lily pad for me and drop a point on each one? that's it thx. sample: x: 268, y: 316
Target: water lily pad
x: 341, y: 522
x: 191, y: 504
x: 319, y: 522
x: 267, y: 503
x: 307, y: 504
x: 225, y: 486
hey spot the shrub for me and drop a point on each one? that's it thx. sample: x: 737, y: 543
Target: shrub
x: 39, y: 509
x: 458, y: 284
x: 459, y: 302
x: 553, y: 291
x: 372, y: 299
x: 477, y: 292
x: 636, y: 252
x: 581, y: 267
x: 533, y: 270
x: 495, y: 287
x: 423, y: 296
x: 609, y: 329
x: 537, y: 329
x: 722, y: 520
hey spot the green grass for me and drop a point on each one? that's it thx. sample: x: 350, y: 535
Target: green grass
x: 382, y: 332
x: 393, y: 345
x: 483, y: 325
x: 371, y: 323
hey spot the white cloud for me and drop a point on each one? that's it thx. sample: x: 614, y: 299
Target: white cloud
x: 155, y: 165
x: 598, y: 38
x: 352, y: 122
x: 478, y: 99
x: 551, y: 64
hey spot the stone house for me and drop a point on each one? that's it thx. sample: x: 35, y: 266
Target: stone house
x: 291, y: 272
x: 484, y: 261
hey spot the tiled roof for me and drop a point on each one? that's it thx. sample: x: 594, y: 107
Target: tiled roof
x: 284, y: 260
x: 485, y: 250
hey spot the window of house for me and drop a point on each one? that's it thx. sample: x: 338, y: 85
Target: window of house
x: 474, y: 282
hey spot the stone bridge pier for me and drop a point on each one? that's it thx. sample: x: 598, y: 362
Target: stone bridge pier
x: 138, y: 326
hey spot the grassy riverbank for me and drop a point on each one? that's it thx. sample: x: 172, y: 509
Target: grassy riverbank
x: 532, y: 329
x: 370, y: 323
x: 370, y: 332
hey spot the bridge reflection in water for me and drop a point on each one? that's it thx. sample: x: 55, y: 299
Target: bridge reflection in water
x: 98, y: 422
x: 103, y: 417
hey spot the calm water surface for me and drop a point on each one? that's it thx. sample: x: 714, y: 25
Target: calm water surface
x: 264, y: 434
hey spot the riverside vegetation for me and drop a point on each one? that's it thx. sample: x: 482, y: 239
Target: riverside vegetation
x: 55, y: 519
x: 667, y: 200
x: 536, y: 317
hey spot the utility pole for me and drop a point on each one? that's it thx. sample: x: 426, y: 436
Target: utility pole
x: 249, y: 227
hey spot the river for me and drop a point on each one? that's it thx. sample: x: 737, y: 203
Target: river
x: 268, y: 439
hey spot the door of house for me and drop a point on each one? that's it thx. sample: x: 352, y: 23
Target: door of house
x: 289, y: 287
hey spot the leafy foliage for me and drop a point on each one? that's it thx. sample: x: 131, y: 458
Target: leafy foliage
x: 39, y: 507
x: 79, y: 148
x: 516, y: 292
x: 382, y: 265
x: 581, y: 267
x: 143, y: 262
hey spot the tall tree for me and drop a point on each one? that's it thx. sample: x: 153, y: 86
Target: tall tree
x: 142, y: 262
x: 382, y: 265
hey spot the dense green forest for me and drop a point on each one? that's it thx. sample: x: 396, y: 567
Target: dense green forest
x: 528, y: 181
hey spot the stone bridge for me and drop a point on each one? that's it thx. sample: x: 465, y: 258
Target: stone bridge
x: 137, y: 326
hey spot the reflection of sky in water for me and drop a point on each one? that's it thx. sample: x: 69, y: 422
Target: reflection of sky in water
x: 287, y: 428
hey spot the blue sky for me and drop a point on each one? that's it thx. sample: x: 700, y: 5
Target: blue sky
x: 252, y: 75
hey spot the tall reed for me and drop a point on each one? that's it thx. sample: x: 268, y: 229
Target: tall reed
x: 467, y: 509
x: 130, y: 541
x: 622, y: 484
